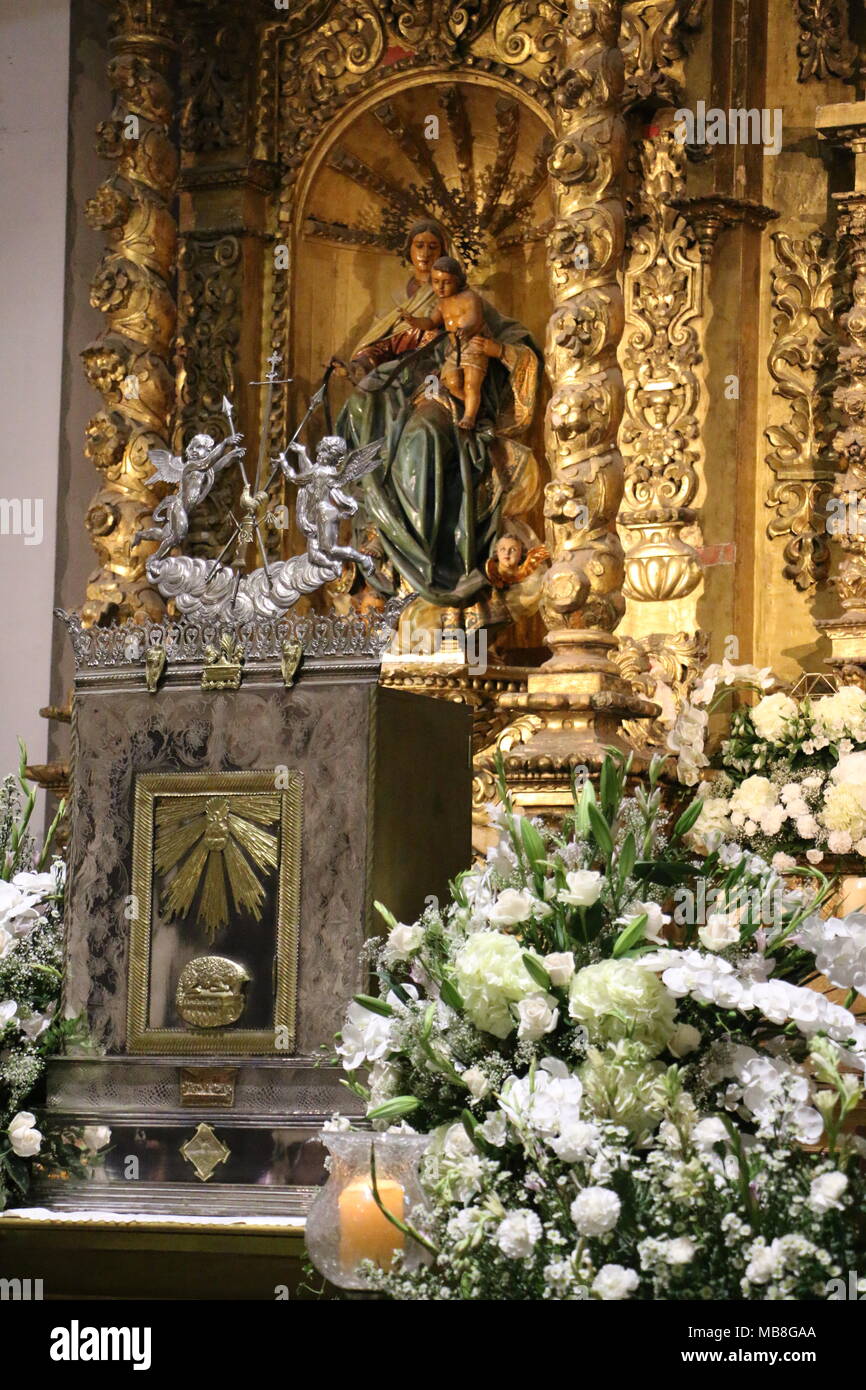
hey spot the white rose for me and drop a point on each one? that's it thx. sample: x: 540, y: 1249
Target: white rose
x: 595, y: 1211
x: 96, y: 1137
x: 583, y: 888
x: 762, y: 1265
x: 494, y: 1129
x: 709, y: 1132
x: 720, y: 930
x: 814, y: 856
x: 25, y: 1139
x: 518, y: 1234
x: 402, y: 941
x: 476, y: 1081
x: 656, y: 920
x: 514, y: 906
x: 771, y: 715
x: 839, y: 842
x: 684, y: 1040
x: 614, y: 1282
x: 679, y: 1251
x: 783, y: 863
x: 537, y: 1015
x: 559, y: 966
x: 8, y: 1010
x: 826, y: 1192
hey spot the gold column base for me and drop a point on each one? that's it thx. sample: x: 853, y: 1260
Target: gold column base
x: 847, y: 638
x: 572, y: 712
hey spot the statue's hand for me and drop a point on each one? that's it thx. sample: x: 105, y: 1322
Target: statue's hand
x: 488, y: 346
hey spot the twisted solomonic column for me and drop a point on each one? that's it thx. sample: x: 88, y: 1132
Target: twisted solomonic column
x: 130, y: 363
x: 575, y: 702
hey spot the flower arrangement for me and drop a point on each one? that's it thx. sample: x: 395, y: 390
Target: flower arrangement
x: 31, y: 958
x: 621, y: 1105
x: 790, y: 778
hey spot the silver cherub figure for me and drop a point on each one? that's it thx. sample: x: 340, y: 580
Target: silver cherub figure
x: 322, y: 502
x: 193, y: 475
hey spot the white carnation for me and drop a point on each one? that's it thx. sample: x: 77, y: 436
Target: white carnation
x: 614, y: 1282
x: 595, y: 1211
x: 518, y: 1234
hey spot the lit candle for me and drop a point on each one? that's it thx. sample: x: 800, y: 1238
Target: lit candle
x: 365, y: 1234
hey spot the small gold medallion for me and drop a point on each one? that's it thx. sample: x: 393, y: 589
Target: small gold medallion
x: 210, y: 992
x: 205, y: 1152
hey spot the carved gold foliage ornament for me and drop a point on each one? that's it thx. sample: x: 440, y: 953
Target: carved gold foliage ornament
x: 214, y: 846
x: 824, y: 50
x: 661, y: 349
x: 128, y: 365
x: 807, y: 295
x: 654, y: 46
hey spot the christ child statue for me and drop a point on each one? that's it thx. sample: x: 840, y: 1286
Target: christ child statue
x: 461, y: 311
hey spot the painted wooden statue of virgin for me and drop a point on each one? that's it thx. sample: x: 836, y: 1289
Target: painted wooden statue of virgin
x: 437, y: 503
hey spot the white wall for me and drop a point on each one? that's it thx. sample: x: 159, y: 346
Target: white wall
x: 34, y: 79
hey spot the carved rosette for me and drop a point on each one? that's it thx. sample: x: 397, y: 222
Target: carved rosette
x: 807, y: 296
x: 660, y: 429
x: 579, y: 693
x: 129, y: 363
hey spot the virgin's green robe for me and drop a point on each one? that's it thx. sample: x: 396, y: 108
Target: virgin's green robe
x: 437, y: 498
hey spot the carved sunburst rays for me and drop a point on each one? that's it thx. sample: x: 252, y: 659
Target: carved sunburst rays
x: 482, y: 203
x: 212, y: 846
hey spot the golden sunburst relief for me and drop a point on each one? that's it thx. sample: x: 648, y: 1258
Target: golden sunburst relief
x: 215, y: 845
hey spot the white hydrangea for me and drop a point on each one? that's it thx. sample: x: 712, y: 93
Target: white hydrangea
x: 490, y: 975
x: 841, y: 713
x: 616, y: 999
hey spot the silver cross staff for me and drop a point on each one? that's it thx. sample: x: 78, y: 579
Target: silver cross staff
x: 270, y: 382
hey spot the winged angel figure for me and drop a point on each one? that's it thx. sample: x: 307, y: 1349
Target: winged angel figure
x: 194, y: 476
x: 206, y: 588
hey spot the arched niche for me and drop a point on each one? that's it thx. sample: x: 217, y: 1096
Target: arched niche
x: 468, y: 148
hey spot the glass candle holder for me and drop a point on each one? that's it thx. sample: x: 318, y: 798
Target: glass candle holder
x: 345, y: 1225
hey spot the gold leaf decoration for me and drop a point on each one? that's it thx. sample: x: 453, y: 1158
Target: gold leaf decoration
x: 213, y: 846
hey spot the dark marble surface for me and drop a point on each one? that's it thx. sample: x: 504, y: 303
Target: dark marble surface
x: 327, y: 730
